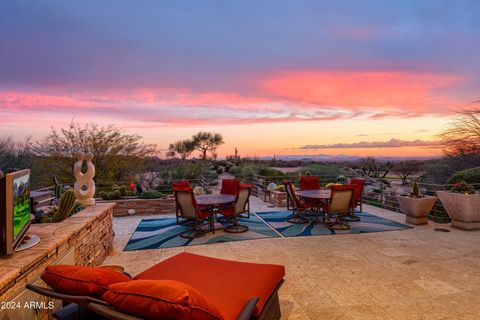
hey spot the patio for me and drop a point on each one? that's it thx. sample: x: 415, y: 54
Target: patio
x: 417, y: 273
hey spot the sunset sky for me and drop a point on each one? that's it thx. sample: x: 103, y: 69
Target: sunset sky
x: 274, y: 77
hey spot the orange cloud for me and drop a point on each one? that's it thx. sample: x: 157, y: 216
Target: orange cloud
x: 358, y: 90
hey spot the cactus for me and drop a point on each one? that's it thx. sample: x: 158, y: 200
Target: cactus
x: 58, y: 187
x: 415, y: 191
x: 65, y: 206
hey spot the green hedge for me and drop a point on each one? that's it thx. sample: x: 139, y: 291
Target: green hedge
x: 470, y: 176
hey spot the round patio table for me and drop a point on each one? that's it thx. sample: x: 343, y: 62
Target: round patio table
x: 217, y: 201
x: 214, y: 200
x: 318, y: 196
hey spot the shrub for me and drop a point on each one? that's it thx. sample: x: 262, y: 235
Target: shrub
x: 151, y: 194
x: 471, y: 176
x: 463, y: 187
x: 116, y: 194
x: 123, y: 190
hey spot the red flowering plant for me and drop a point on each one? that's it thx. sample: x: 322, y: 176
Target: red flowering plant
x: 463, y: 187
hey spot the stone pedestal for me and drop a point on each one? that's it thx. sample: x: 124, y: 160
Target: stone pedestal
x: 278, y: 198
x: 416, y: 209
x: 463, y: 209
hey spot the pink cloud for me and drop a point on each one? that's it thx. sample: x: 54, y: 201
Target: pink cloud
x: 280, y: 97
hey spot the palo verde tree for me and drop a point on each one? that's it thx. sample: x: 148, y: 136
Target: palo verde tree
x: 207, y: 143
x: 117, y: 155
x: 182, y: 148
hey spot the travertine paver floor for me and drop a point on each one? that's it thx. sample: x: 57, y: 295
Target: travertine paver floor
x: 408, y: 274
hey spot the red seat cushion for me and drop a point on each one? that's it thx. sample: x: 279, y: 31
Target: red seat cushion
x: 226, y: 212
x: 228, y: 285
x: 81, y: 280
x: 160, y: 299
x: 181, y: 185
x: 309, y: 183
x: 230, y: 186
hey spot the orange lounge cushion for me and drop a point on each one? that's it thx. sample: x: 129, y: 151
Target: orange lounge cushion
x: 81, y: 280
x: 228, y: 285
x: 160, y: 299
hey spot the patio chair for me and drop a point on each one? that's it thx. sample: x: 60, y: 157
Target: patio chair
x: 230, y: 186
x: 340, y: 202
x: 180, y: 185
x: 241, y: 205
x: 298, y: 207
x: 190, y: 211
x: 358, y: 185
x: 247, y: 291
x: 309, y: 183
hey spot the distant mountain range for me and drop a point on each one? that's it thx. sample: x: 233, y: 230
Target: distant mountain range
x: 340, y: 158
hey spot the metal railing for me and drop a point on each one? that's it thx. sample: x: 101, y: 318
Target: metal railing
x: 377, y: 192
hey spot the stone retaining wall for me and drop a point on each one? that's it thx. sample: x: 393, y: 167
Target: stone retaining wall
x: 83, y: 239
x: 278, y: 198
x: 143, y: 206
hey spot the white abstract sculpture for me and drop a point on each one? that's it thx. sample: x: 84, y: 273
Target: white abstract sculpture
x: 84, y: 186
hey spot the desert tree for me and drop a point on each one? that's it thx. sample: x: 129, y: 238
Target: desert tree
x: 182, y: 148
x: 14, y: 154
x: 117, y: 155
x: 207, y: 142
x: 461, y: 139
x: 374, y: 169
x: 404, y: 169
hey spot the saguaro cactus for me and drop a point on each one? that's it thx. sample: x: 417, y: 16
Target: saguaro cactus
x: 415, y: 190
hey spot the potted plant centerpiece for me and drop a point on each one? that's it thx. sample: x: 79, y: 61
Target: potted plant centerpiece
x: 416, y: 206
x: 462, y: 205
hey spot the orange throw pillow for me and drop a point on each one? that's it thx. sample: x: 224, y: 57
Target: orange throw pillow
x: 81, y: 280
x: 160, y: 299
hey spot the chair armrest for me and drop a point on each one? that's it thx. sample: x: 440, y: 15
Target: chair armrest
x: 109, y: 312
x: 81, y: 300
x: 248, y: 309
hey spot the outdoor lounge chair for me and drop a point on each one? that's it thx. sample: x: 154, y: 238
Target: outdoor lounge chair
x: 190, y: 211
x: 236, y: 290
x: 293, y: 203
x: 340, y: 202
x: 309, y: 183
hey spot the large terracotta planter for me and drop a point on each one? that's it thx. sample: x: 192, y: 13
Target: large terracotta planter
x: 416, y: 209
x: 463, y: 209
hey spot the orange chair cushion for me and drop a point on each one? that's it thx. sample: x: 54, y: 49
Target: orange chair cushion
x: 228, y: 285
x: 230, y: 186
x: 181, y: 185
x: 160, y: 299
x: 309, y: 183
x: 81, y: 280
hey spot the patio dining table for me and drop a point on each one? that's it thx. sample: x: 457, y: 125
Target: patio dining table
x: 317, y: 196
x: 216, y: 201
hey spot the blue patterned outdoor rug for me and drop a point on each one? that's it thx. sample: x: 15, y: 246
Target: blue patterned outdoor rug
x: 368, y: 223
x: 165, y: 233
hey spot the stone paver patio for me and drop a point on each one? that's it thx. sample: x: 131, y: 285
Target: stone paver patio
x: 417, y: 273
